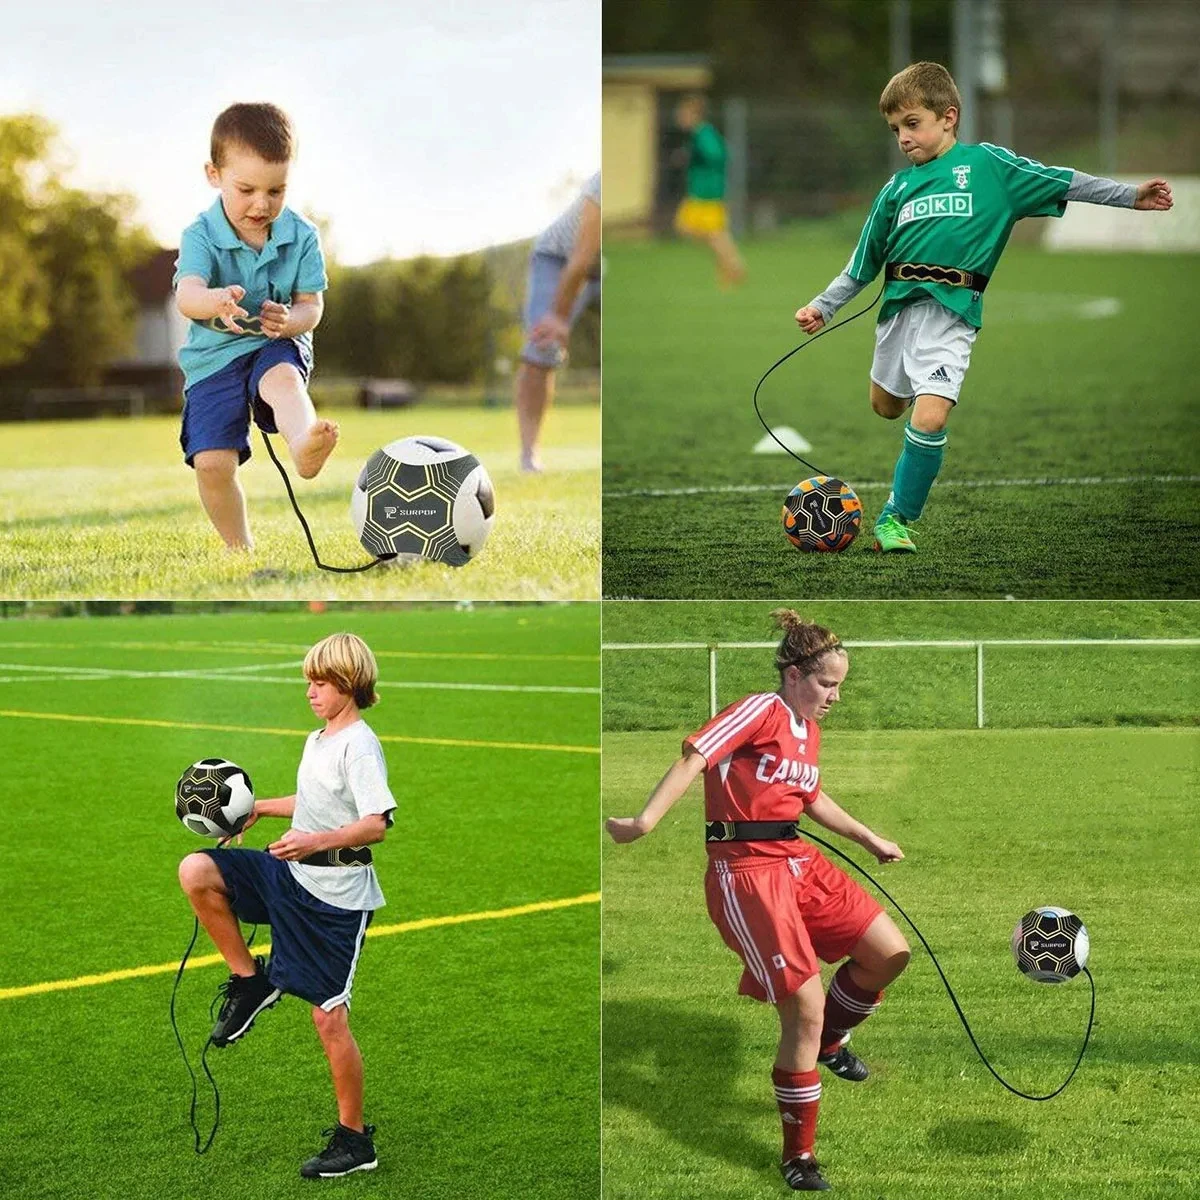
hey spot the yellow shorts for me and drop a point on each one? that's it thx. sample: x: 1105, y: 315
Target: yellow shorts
x: 701, y: 218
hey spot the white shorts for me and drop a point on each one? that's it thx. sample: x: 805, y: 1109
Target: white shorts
x: 924, y: 350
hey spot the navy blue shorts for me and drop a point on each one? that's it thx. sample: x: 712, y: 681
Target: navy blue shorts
x: 216, y: 410
x: 314, y: 945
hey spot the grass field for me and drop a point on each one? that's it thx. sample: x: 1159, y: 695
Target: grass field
x: 1057, y: 390
x: 918, y: 688
x: 107, y: 508
x: 479, y: 1038
x: 992, y: 823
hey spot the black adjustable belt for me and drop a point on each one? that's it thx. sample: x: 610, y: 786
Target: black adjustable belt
x: 751, y: 831
x: 975, y: 281
x: 348, y: 856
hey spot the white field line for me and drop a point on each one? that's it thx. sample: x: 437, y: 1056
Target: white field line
x: 879, y: 484
x: 289, y: 649
x: 48, y: 674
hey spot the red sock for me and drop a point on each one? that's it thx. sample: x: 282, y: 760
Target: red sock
x: 846, y: 1005
x: 798, y: 1094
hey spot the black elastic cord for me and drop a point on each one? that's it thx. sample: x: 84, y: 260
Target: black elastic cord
x: 954, y: 999
x: 203, y: 1056
x: 287, y: 483
x: 780, y: 362
x: 207, y: 1046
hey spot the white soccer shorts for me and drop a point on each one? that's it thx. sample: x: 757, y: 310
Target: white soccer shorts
x: 923, y: 350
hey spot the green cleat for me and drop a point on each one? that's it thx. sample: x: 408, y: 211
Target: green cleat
x: 892, y: 534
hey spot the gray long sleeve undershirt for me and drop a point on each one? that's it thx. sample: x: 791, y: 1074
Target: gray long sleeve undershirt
x: 1090, y: 189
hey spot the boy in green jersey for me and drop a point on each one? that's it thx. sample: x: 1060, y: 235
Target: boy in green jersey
x: 937, y: 231
x: 702, y: 213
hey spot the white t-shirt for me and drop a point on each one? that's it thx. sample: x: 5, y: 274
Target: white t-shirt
x: 559, y: 237
x: 342, y: 778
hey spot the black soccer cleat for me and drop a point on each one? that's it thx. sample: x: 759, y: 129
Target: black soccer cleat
x: 845, y: 1064
x: 348, y: 1151
x: 244, y: 998
x: 804, y: 1175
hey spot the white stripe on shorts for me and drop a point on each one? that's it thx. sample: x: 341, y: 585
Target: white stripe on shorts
x: 741, y: 930
x: 344, y: 996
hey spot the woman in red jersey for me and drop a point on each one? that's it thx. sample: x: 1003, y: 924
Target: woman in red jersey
x: 778, y: 902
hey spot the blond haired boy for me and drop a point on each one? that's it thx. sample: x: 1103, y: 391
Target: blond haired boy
x: 315, y: 886
x: 250, y: 276
x: 937, y: 230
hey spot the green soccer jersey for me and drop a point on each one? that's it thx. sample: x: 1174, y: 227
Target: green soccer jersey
x: 706, y: 164
x: 954, y: 211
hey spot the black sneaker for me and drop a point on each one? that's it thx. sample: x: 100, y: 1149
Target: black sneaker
x: 347, y: 1151
x: 244, y: 998
x: 803, y: 1175
x: 845, y: 1064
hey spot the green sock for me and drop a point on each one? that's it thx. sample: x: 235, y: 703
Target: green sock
x: 916, y: 469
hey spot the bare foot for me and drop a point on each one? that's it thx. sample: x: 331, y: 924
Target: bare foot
x: 310, y: 453
x: 531, y: 463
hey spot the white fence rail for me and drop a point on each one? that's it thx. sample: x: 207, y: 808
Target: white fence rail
x: 978, y: 645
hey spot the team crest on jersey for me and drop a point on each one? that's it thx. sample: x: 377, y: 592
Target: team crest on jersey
x: 962, y: 176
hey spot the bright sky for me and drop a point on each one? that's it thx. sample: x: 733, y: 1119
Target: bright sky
x: 432, y: 126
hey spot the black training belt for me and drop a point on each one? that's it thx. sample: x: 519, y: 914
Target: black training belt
x: 976, y: 281
x: 751, y: 831
x: 348, y: 856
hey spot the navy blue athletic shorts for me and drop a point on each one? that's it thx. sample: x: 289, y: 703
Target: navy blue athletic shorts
x: 314, y: 945
x: 216, y: 409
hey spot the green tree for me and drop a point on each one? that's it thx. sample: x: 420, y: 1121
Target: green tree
x: 24, y: 288
x: 66, y: 307
x: 87, y: 248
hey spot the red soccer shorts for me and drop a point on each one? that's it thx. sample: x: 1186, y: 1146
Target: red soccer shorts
x: 779, y: 915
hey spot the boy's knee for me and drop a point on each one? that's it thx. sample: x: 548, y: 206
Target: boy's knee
x: 283, y: 375
x: 215, y: 466
x: 886, y: 405
x: 196, y: 872
x: 331, y: 1023
x: 928, y: 422
x: 930, y: 413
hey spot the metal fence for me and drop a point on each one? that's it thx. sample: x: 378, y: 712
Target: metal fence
x: 790, y: 159
x: 976, y: 646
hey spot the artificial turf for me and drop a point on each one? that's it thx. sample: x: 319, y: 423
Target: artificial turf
x: 480, y: 1039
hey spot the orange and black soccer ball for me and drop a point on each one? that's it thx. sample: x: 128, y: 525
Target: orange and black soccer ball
x: 821, y: 514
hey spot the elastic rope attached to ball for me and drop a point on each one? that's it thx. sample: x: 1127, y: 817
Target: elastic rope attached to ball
x: 781, y: 361
x: 950, y: 991
x: 287, y: 483
x: 207, y: 1046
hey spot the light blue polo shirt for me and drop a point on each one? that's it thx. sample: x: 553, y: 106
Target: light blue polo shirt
x: 290, y: 262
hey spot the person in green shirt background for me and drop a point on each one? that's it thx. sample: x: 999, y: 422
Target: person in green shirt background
x: 702, y: 213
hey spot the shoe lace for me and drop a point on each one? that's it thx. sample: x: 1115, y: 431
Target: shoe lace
x: 337, y: 1138
x: 227, y: 994
x: 892, y: 524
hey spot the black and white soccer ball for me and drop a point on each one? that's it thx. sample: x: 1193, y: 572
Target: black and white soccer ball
x: 1050, y: 945
x: 423, y: 497
x: 214, y: 798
